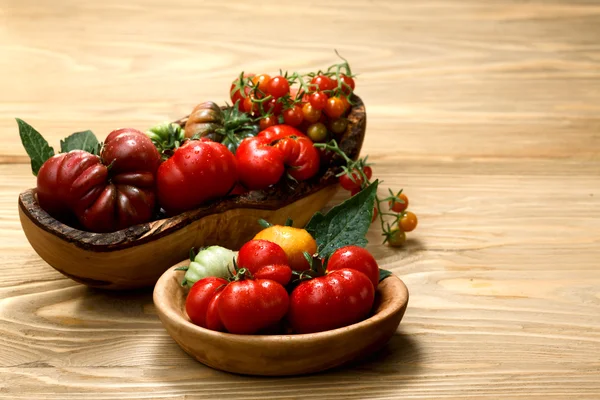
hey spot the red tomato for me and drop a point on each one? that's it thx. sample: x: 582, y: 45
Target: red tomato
x: 267, y: 122
x: 79, y: 184
x: 213, y: 319
x: 335, y: 107
x: 247, y: 306
x: 280, y: 273
x: 348, y: 84
x: 262, y: 160
x: 198, y: 171
x: 323, y: 82
x: 236, y: 93
x: 318, y: 100
x: 273, y: 107
x: 258, y: 253
x: 357, y: 258
x: 278, y: 86
x: 340, y: 298
x: 250, y: 106
x: 350, y: 185
x: 199, y: 299
x: 400, y: 204
x: 293, y: 116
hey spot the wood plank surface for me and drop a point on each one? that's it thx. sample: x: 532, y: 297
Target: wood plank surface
x: 486, y: 113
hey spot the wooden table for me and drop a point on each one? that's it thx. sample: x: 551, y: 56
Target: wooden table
x: 487, y: 113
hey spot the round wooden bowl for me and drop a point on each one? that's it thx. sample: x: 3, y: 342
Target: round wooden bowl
x: 273, y: 355
x: 137, y: 256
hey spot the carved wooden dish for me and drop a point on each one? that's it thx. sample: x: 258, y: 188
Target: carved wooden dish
x: 137, y: 256
x: 272, y: 355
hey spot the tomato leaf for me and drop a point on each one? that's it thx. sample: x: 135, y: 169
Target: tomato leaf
x: 384, y: 273
x: 35, y: 145
x: 85, y: 141
x: 345, y: 224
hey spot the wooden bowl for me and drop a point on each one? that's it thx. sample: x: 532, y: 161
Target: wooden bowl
x: 272, y: 355
x: 136, y: 257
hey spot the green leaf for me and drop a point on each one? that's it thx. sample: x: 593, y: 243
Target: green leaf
x: 345, y: 224
x: 384, y: 273
x: 85, y: 141
x: 35, y: 145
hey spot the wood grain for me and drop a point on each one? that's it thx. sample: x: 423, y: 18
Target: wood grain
x: 487, y: 113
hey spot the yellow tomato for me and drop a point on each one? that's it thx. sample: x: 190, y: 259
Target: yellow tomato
x: 293, y: 241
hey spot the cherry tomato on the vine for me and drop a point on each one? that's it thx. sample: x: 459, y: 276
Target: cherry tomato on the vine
x: 338, y: 125
x: 334, y: 108
x: 317, y: 132
x: 310, y: 113
x: 272, y: 106
x: 323, y: 82
x: 293, y: 116
x: 375, y: 212
x: 396, y: 238
x: 278, y: 86
x: 347, y: 84
x: 262, y: 81
x: 355, y: 183
x: 318, y: 100
x: 399, y: 206
x: 408, y: 222
x: 236, y: 93
x: 250, y: 106
x: 267, y: 121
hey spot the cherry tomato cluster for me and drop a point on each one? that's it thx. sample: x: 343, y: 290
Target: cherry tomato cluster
x: 355, y: 176
x: 272, y: 293
x: 315, y: 103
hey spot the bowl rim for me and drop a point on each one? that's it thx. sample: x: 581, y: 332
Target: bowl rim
x: 273, y: 198
x: 391, y: 283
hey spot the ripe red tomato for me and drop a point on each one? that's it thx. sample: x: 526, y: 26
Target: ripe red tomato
x: 198, y: 171
x: 280, y: 273
x: 199, y: 299
x: 247, y: 306
x: 213, y: 319
x: 293, y: 116
x: 250, y: 106
x: 399, y: 206
x: 323, y: 82
x: 335, y: 107
x: 350, y: 185
x: 262, y: 81
x: 267, y: 122
x: 258, y: 253
x: 263, y: 159
x: 348, y: 84
x: 357, y: 258
x: 278, y: 86
x: 236, y: 93
x: 341, y: 297
x: 272, y: 106
x: 318, y: 100
x: 79, y: 184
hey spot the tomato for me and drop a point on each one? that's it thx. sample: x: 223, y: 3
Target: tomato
x: 346, y: 103
x: 278, y: 86
x: 247, y: 306
x: 272, y: 106
x: 356, y: 184
x: 200, y: 297
x: 236, y: 89
x: 213, y: 319
x: 347, y: 84
x: 396, y: 237
x: 267, y: 122
x: 335, y: 107
x: 280, y: 273
x: 317, y: 132
x: 338, y: 125
x: 357, y: 258
x: 399, y: 206
x: 257, y: 253
x: 375, y: 213
x: 294, y: 241
x: 106, y: 193
x: 323, y: 82
x: 293, y: 116
x: 198, y: 171
x: 318, y: 100
x: 310, y: 113
x: 249, y: 106
x: 408, y: 222
x: 262, y: 81
x: 263, y: 159
x: 341, y: 297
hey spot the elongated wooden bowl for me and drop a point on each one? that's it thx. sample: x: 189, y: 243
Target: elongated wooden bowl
x: 137, y: 256
x: 276, y: 355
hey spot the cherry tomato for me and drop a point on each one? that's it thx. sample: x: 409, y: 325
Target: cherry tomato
x: 198, y: 171
x: 400, y: 204
x: 341, y: 297
x: 310, y: 113
x: 347, y: 84
x: 318, y: 100
x: 278, y: 86
x: 334, y: 108
x: 267, y: 122
x: 408, y: 222
x: 356, y: 183
x: 368, y: 172
x: 247, y: 306
x: 280, y: 273
x: 317, y: 132
x: 80, y: 185
x: 346, y: 103
x: 396, y: 238
x: 357, y: 258
x: 293, y: 116
x: 323, y: 82
x: 272, y: 106
x: 200, y: 296
x: 262, y: 81
x: 375, y: 213
x: 338, y: 125
x: 236, y: 93
x: 257, y: 253
x: 250, y: 106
